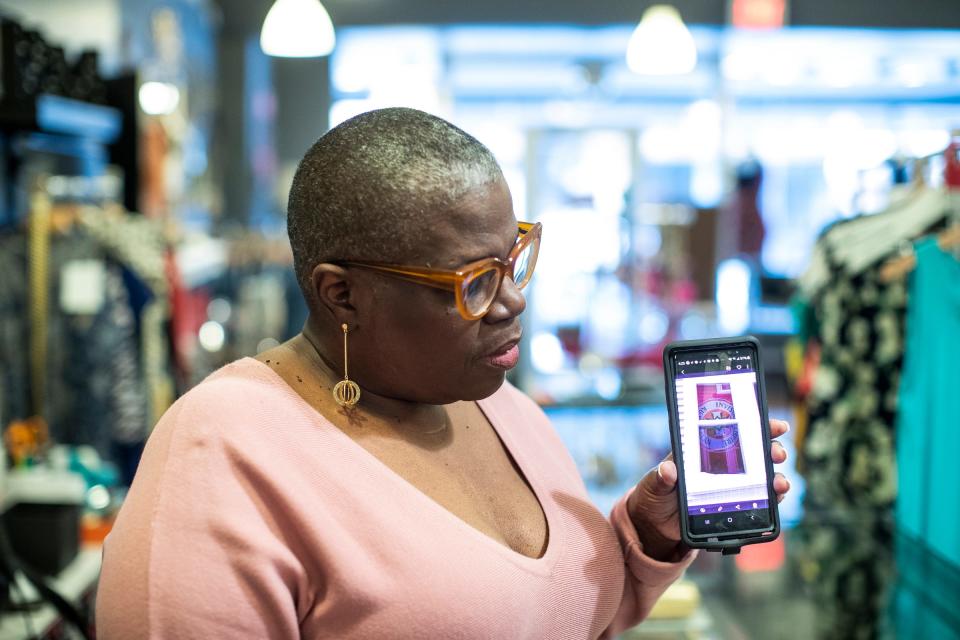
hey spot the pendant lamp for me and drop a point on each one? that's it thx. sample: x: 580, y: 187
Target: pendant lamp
x: 661, y: 44
x: 297, y: 29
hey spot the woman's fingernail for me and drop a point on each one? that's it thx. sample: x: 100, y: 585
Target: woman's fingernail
x: 660, y: 472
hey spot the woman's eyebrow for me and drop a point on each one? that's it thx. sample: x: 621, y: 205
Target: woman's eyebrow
x: 502, y: 256
x: 473, y: 257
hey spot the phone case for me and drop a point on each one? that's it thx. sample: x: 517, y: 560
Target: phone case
x: 722, y: 408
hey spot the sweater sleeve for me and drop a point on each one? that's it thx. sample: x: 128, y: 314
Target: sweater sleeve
x: 645, y: 579
x: 196, y: 552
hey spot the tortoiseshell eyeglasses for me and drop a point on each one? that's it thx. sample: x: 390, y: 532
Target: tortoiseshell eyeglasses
x: 477, y: 284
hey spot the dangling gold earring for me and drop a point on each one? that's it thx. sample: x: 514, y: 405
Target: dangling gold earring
x: 346, y: 392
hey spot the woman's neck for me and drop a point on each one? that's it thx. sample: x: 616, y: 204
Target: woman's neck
x: 406, y: 417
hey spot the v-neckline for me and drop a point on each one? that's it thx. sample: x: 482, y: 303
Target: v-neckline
x: 541, y: 565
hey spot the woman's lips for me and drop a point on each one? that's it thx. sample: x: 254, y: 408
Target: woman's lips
x: 506, y: 359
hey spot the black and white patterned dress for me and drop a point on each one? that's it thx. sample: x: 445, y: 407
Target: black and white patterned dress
x: 849, y: 453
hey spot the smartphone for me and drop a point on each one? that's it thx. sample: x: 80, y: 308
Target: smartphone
x: 720, y: 433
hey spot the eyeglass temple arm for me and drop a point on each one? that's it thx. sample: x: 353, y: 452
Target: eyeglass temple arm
x: 435, y: 280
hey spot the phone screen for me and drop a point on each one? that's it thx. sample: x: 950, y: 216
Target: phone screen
x: 722, y: 441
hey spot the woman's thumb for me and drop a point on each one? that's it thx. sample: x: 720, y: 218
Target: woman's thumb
x: 664, y: 481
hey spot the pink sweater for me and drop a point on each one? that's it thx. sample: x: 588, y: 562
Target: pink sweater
x: 252, y: 516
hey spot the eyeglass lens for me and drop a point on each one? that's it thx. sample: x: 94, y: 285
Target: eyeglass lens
x: 521, y: 267
x: 481, y: 288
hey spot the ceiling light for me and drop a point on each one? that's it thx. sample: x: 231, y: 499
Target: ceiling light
x: 661, y: 44
x: 297, y: 29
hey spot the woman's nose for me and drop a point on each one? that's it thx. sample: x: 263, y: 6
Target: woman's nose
x: 509, y: 303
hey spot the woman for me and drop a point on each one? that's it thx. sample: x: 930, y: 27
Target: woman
x: 374, y: 477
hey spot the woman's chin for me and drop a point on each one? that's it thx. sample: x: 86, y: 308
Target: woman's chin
x: 463, y: 390
x: 486, y: 389
x: 478, y: 390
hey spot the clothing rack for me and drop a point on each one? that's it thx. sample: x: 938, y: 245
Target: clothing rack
x: 85, y: 318
x: 40, y: 223
x: 948, y: 240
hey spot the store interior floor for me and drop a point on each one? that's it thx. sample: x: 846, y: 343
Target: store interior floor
x: 754, y: 605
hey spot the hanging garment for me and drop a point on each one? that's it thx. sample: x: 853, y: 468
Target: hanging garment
x: 14, y: 356
x: 138, y: 244
x: 94, y: 388
x: 859, y: 243
x: 928, y: 524
x: 927, y: 424
x: 846, y: 535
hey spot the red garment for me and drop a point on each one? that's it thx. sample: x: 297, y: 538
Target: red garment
x: 951, y: 172
x: 188, y: 312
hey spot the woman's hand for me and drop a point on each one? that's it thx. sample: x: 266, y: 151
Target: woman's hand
x: 654, y: 509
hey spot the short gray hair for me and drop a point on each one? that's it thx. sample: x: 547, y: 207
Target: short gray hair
x: 368, y: 187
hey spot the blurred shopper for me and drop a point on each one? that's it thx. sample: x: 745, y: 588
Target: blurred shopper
x: 375, y: 477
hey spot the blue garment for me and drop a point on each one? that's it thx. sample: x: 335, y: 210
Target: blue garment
x: 928, y: 504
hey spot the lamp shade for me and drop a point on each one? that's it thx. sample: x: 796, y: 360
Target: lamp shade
x: 661, y: 44
x: 297, y: 29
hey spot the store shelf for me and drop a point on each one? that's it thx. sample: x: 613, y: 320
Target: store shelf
x: 73, y: 583
x: 56, y: 114
x: 40, y: 486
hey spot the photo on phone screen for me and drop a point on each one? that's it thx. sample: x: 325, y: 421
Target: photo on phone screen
x: 722, y: 441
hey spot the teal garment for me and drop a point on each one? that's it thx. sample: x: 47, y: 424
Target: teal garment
x: 928, y: 429
x: 804, y: 318
x: 924, y: 603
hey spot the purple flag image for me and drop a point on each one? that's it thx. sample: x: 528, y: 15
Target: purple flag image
x: 720, y: 449
x: 715, y: 401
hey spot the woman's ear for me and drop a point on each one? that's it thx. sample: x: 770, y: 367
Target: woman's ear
x: 333, y: 290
